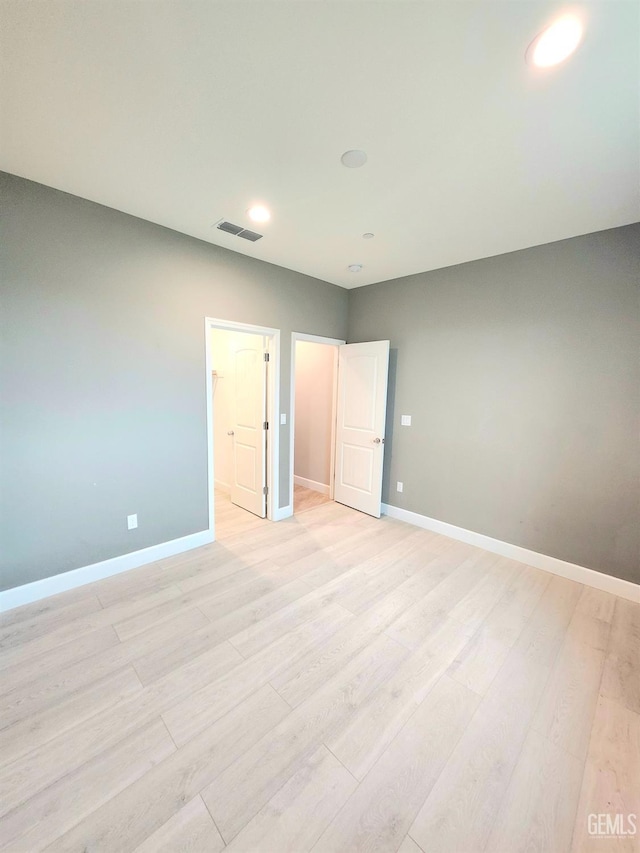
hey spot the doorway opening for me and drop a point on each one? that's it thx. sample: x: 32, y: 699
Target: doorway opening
x: 338, y: 415
x: 314, y: 382
x: 242, y: 368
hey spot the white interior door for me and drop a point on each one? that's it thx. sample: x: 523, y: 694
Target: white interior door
x: 362, y: 409
x: 249, y: 434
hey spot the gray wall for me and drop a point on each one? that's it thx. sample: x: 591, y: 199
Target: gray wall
x: 102, y: 374
x: 522, y: 374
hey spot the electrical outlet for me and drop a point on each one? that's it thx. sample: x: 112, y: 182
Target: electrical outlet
x: 283, y: 418
x: 405, y: 420
x: 132, y: 521
x: 399, y: 486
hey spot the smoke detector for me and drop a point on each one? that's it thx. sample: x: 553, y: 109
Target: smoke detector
x: 354, y: 159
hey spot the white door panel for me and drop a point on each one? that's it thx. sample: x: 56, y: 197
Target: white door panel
x: 362, y: 407
x: 249, y: 444
x: 357, y: 467
x: 359, y: 403
x: 245, y: 459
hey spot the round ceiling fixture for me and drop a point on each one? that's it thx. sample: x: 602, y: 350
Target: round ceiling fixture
x: 368, y: 235
x: 259, y: 213
x: 556, y: 43
x: 354, y: 267
x: 354, y: 159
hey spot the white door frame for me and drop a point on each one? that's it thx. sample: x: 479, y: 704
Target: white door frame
x: 273, y: 408
x: 314, y: 339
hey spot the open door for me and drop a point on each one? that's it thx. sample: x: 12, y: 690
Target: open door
x: 249, y: 371
x: 362, y: 409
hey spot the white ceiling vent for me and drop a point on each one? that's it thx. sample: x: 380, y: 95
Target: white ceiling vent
x: 239, y: 231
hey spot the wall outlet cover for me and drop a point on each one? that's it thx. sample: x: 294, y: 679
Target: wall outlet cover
x: 405, y: 420
x: 399, y: 486
x: 283, y: 418
x: 132, y: 521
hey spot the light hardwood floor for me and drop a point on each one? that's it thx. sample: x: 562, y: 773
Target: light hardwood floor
x: 328, y: 683
x: 304, y: 499
x: 231, y: 519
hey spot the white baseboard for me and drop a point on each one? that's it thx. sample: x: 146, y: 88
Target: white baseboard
x: 222, y: 487
x: 36, y: 590
x: 311, y: 484
x: 282, y: 512
x: 590, y: 577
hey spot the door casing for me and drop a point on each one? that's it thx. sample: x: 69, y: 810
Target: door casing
x: 273, y: 409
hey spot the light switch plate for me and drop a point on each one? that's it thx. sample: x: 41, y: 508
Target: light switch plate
x: 405, y: 420
x: 283, y: 418
x: 132, y: 521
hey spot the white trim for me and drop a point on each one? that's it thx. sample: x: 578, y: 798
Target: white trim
x: 273, y: 409
x: 36, y: 590
x: 334, y: 425
x: 283, y: 512
x: 273, y: 413
x: 581, y: 574
x: 314, y: 339
x: 209, y: 402
x: 323, y: 488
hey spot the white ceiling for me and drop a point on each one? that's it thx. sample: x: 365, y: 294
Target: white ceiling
x: 186, y: 112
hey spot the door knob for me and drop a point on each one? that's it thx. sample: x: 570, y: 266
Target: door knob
x: 376, y: 441
x: 230, y: 432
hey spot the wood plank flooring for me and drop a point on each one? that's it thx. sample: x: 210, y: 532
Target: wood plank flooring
x: 231, y: 519
x: 332, y: 682
x: 304, y: 499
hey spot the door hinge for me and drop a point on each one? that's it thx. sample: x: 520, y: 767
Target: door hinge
x: 265, y: 425
x: 266, y: 356
x: 265, y: 490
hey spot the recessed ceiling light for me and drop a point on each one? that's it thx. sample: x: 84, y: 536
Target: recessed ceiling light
x: 368, y: 235
x: 555, y: 43
x: 259, y: 213
x: 355, y: 267
x: 354, y: 159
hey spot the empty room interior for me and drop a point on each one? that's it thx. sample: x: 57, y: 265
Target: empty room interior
x: 320, y: 426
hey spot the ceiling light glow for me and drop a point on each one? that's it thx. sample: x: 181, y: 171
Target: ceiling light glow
x: 259, y: 213
x: 556, y: 43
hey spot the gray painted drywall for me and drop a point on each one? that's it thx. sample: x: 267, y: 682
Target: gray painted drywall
x: 102, y: 374
x: 522, y: 375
